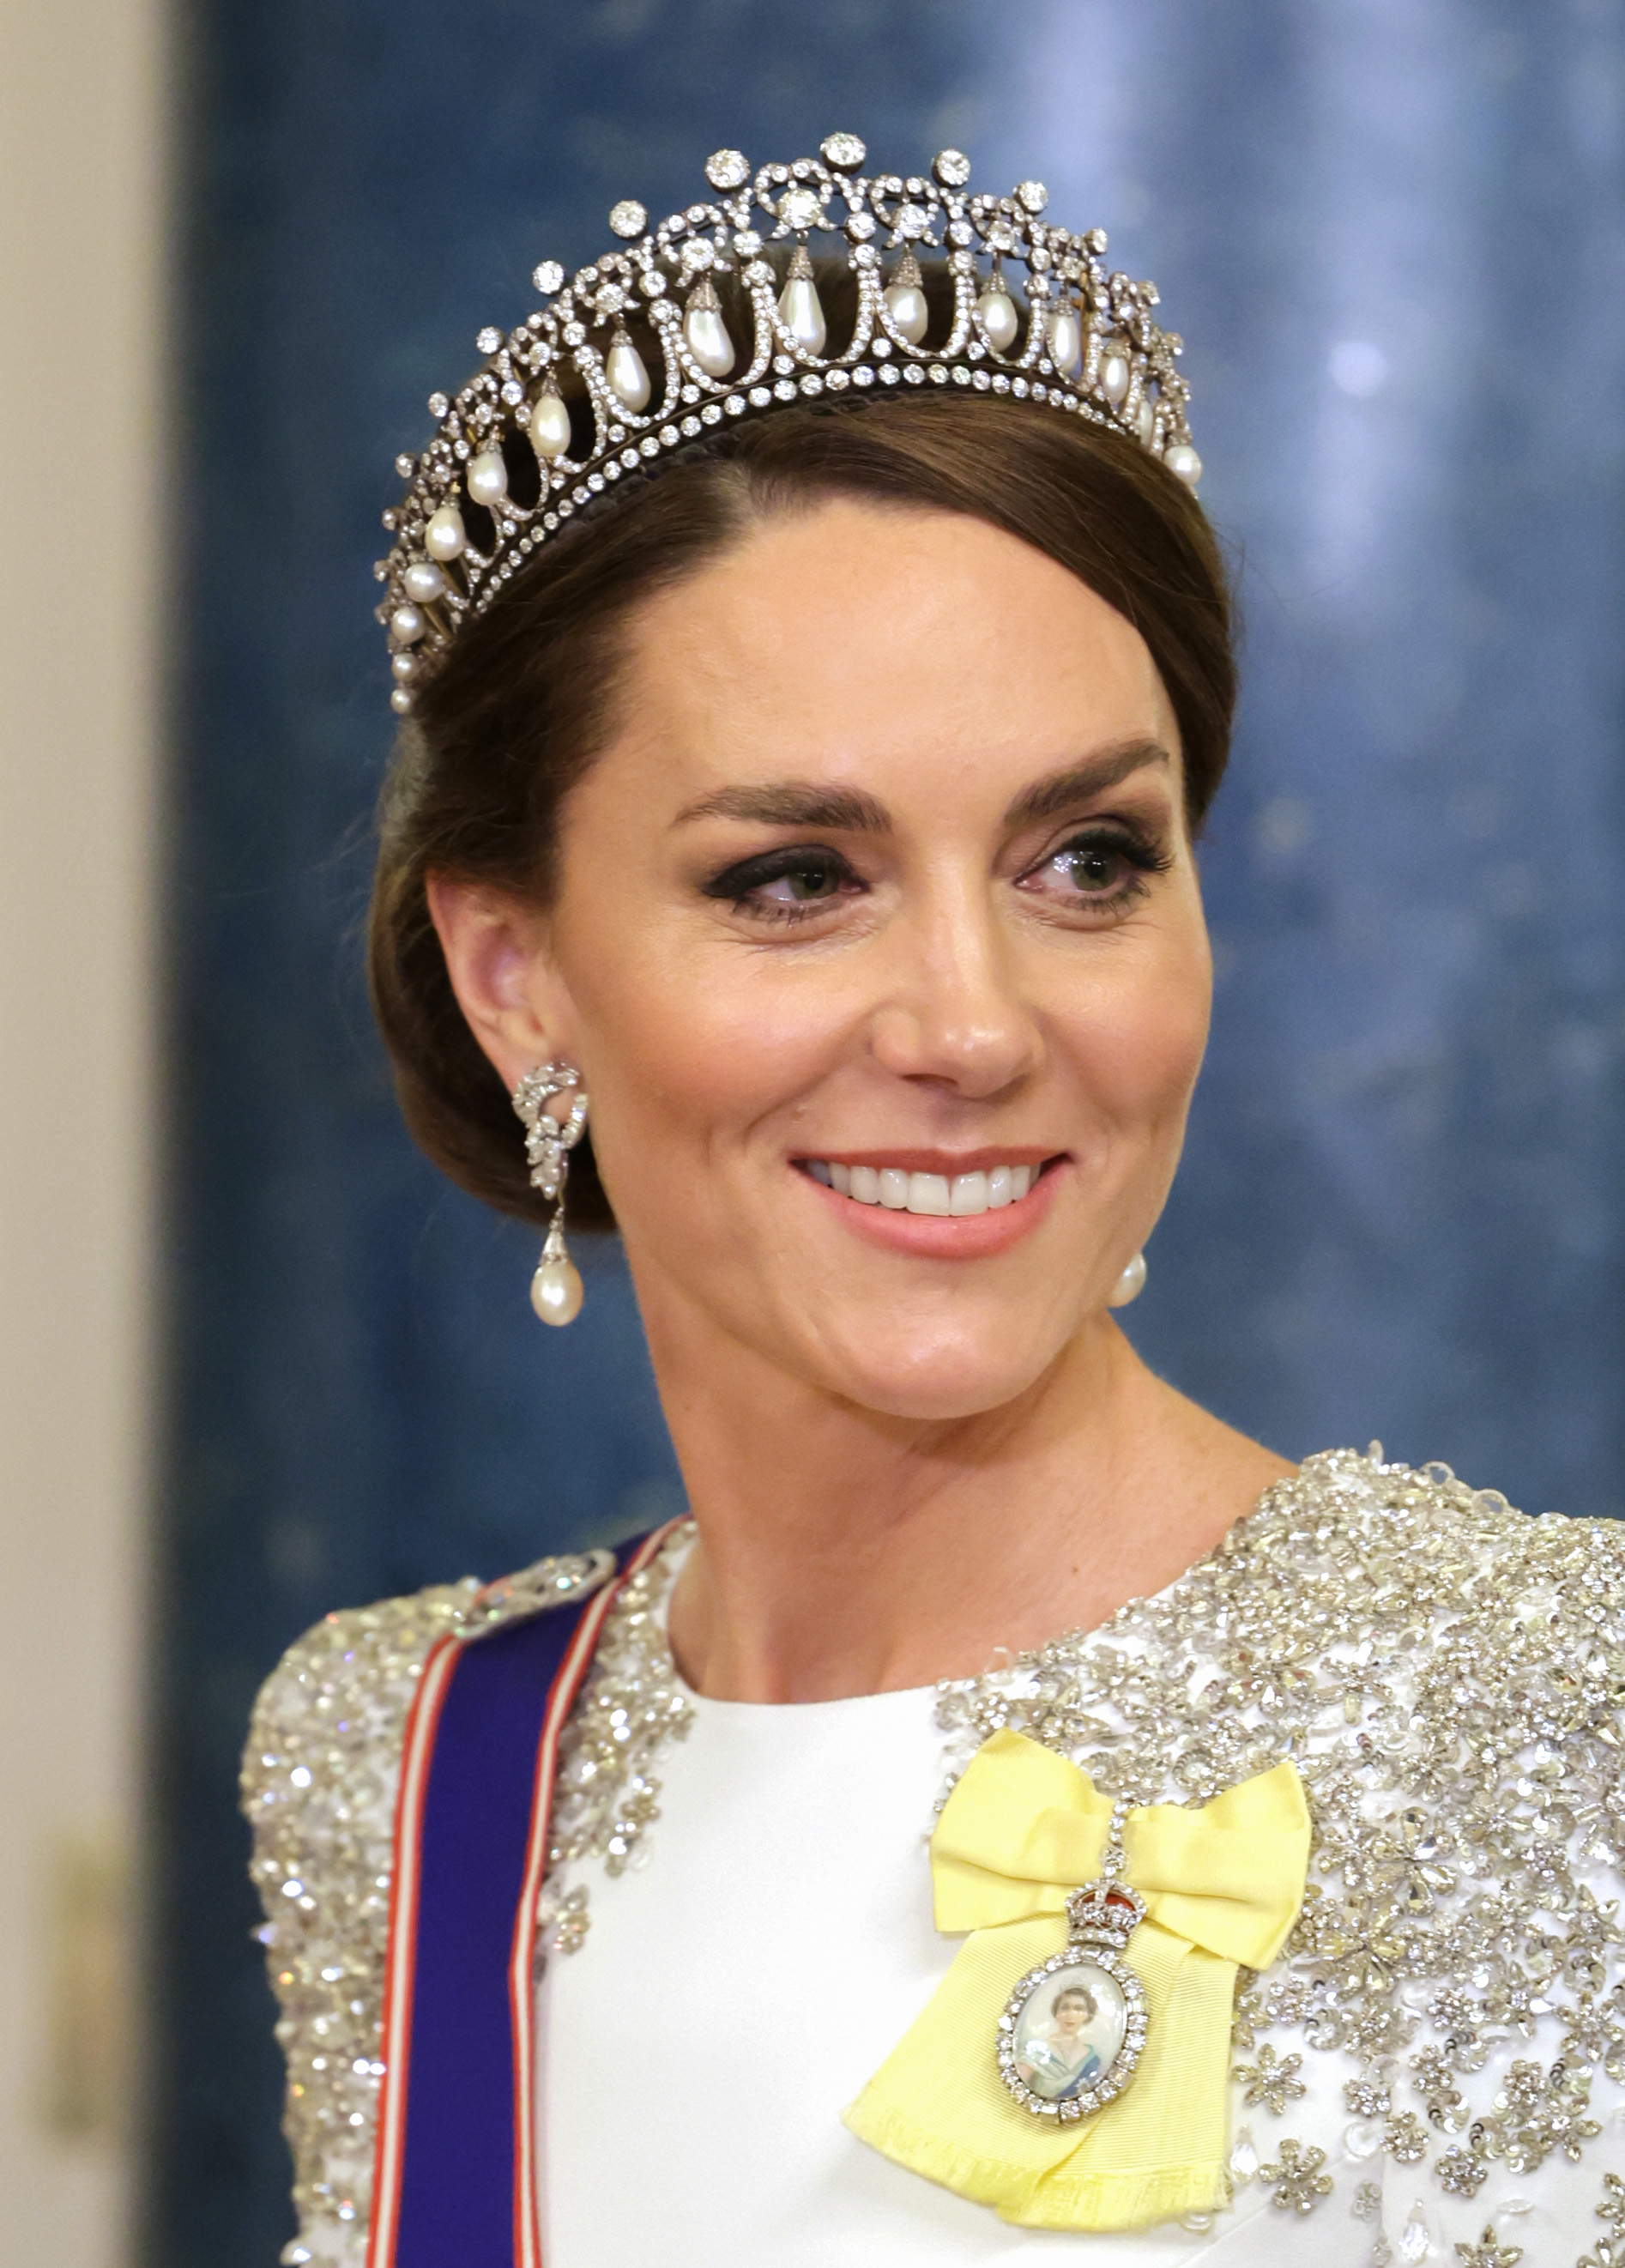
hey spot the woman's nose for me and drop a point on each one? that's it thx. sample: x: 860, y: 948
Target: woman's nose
x: 954, y: 1010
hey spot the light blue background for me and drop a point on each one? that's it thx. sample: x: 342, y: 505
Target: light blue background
x: 1391, y: 231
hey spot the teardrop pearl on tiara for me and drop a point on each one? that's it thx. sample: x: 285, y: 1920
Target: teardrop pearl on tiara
x: 801, y: 311
x: 424, y: 582
x: 549, y: 426
x: 1129, y: 1285
x: 998, y: 312
x: 1065, y: 339
x: 444, y: 537
x: 1115, y: 375
x: 905, y: 300
x: 488, y: 478
x: 705, y: 331
x: 623, y: 367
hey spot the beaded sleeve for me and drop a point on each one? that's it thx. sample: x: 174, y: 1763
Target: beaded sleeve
x: 319, y: 1785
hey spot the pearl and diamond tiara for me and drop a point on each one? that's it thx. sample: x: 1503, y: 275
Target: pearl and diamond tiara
x: 510, y: 464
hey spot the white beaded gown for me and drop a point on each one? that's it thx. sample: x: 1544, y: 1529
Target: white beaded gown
x: 740, y: 1927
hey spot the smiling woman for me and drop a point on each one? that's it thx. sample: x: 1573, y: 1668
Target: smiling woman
x: 821, y: 802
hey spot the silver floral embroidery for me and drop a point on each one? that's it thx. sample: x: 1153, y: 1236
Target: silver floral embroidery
x: 1273, y: 2080
x: 1490, y: 2253
x: 1462, y: 2170
x: 1296, y: 2183
x: 1367, y: 2097
x: 1610, y: 2251
x: 632, y: 1704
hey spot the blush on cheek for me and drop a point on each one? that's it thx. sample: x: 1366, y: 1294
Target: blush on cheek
x: 721, y: 1049
x: 1133, y: 1062
x: 1140, y: 1063
x: 691, y: 1076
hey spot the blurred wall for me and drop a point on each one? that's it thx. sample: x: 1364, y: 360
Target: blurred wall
x: 83, y: 161
x: 1392, y: 232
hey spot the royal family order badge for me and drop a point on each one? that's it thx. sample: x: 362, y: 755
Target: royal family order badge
x: 1073, y: 2029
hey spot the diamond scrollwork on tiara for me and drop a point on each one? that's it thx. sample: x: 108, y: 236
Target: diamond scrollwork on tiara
x: 509, y: 464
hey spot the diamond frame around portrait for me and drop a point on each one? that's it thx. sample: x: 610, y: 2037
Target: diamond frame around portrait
x: 1120, y: 2069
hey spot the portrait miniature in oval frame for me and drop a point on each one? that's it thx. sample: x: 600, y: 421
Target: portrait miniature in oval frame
x: 1071, y: 2033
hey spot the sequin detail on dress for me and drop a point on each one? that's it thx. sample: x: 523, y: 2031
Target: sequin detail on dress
x: 632, y: 1704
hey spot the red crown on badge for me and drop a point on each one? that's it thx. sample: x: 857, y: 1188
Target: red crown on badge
x: 1104, y: 1913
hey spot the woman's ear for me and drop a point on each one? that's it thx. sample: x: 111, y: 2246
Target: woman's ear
x: 496, y: 955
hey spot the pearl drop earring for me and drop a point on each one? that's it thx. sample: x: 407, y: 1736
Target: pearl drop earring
x: 556, y: 1287
x: 1129, y: 1285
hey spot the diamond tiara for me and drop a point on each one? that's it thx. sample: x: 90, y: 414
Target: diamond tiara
x: 511, y: 464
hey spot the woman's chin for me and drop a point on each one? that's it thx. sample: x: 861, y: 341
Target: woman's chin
x: 937, y: 1381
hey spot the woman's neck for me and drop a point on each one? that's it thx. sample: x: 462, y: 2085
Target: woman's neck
x: 843, y: 1553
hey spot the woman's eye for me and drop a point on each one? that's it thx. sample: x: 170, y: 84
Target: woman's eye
x: 1091, y: 866
x: 785, y: 885
x: 1095, y: 869
x: 799, y: 886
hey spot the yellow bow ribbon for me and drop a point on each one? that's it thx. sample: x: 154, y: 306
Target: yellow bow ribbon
x: 1222, y: 1887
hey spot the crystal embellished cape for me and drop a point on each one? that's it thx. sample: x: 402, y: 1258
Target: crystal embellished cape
x: 1447, y: 1675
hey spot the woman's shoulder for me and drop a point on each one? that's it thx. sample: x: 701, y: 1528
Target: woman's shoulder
x: 318, y: 1787
x: 344, y: 1689
x: 325, y: 1734
x: 341, y: 1692
x: 1417, y: 1547
x: 1448, y: 1675
x: 1439, y: 1617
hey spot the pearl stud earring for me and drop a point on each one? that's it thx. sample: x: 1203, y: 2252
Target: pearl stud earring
x: 556, y: 1287
x: 1129, y: 1285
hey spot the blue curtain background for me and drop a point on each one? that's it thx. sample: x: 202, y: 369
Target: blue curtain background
x: 1391, y: 231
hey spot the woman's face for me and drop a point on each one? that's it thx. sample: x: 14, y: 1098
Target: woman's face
x: 1071, y: 2014
x: 884, y: 885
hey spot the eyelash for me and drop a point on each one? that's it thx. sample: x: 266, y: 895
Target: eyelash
x: 736, y: 885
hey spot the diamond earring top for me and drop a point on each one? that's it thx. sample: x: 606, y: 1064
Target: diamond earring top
x: 508, y: 466
x: 556, y: 1287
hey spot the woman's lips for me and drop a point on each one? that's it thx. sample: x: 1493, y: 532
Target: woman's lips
x: 982, y: 1205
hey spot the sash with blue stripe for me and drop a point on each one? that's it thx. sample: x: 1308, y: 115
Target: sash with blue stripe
x: 454, y: 2178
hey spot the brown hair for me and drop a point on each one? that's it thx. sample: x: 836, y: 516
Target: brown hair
x: 525, y: 701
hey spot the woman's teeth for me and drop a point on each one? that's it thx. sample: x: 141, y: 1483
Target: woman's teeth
x: 932, y: 1193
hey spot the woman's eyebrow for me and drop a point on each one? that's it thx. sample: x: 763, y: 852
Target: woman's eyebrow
x: 1075, y: 783
x: 813, y: 803
x: 793, y: 803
